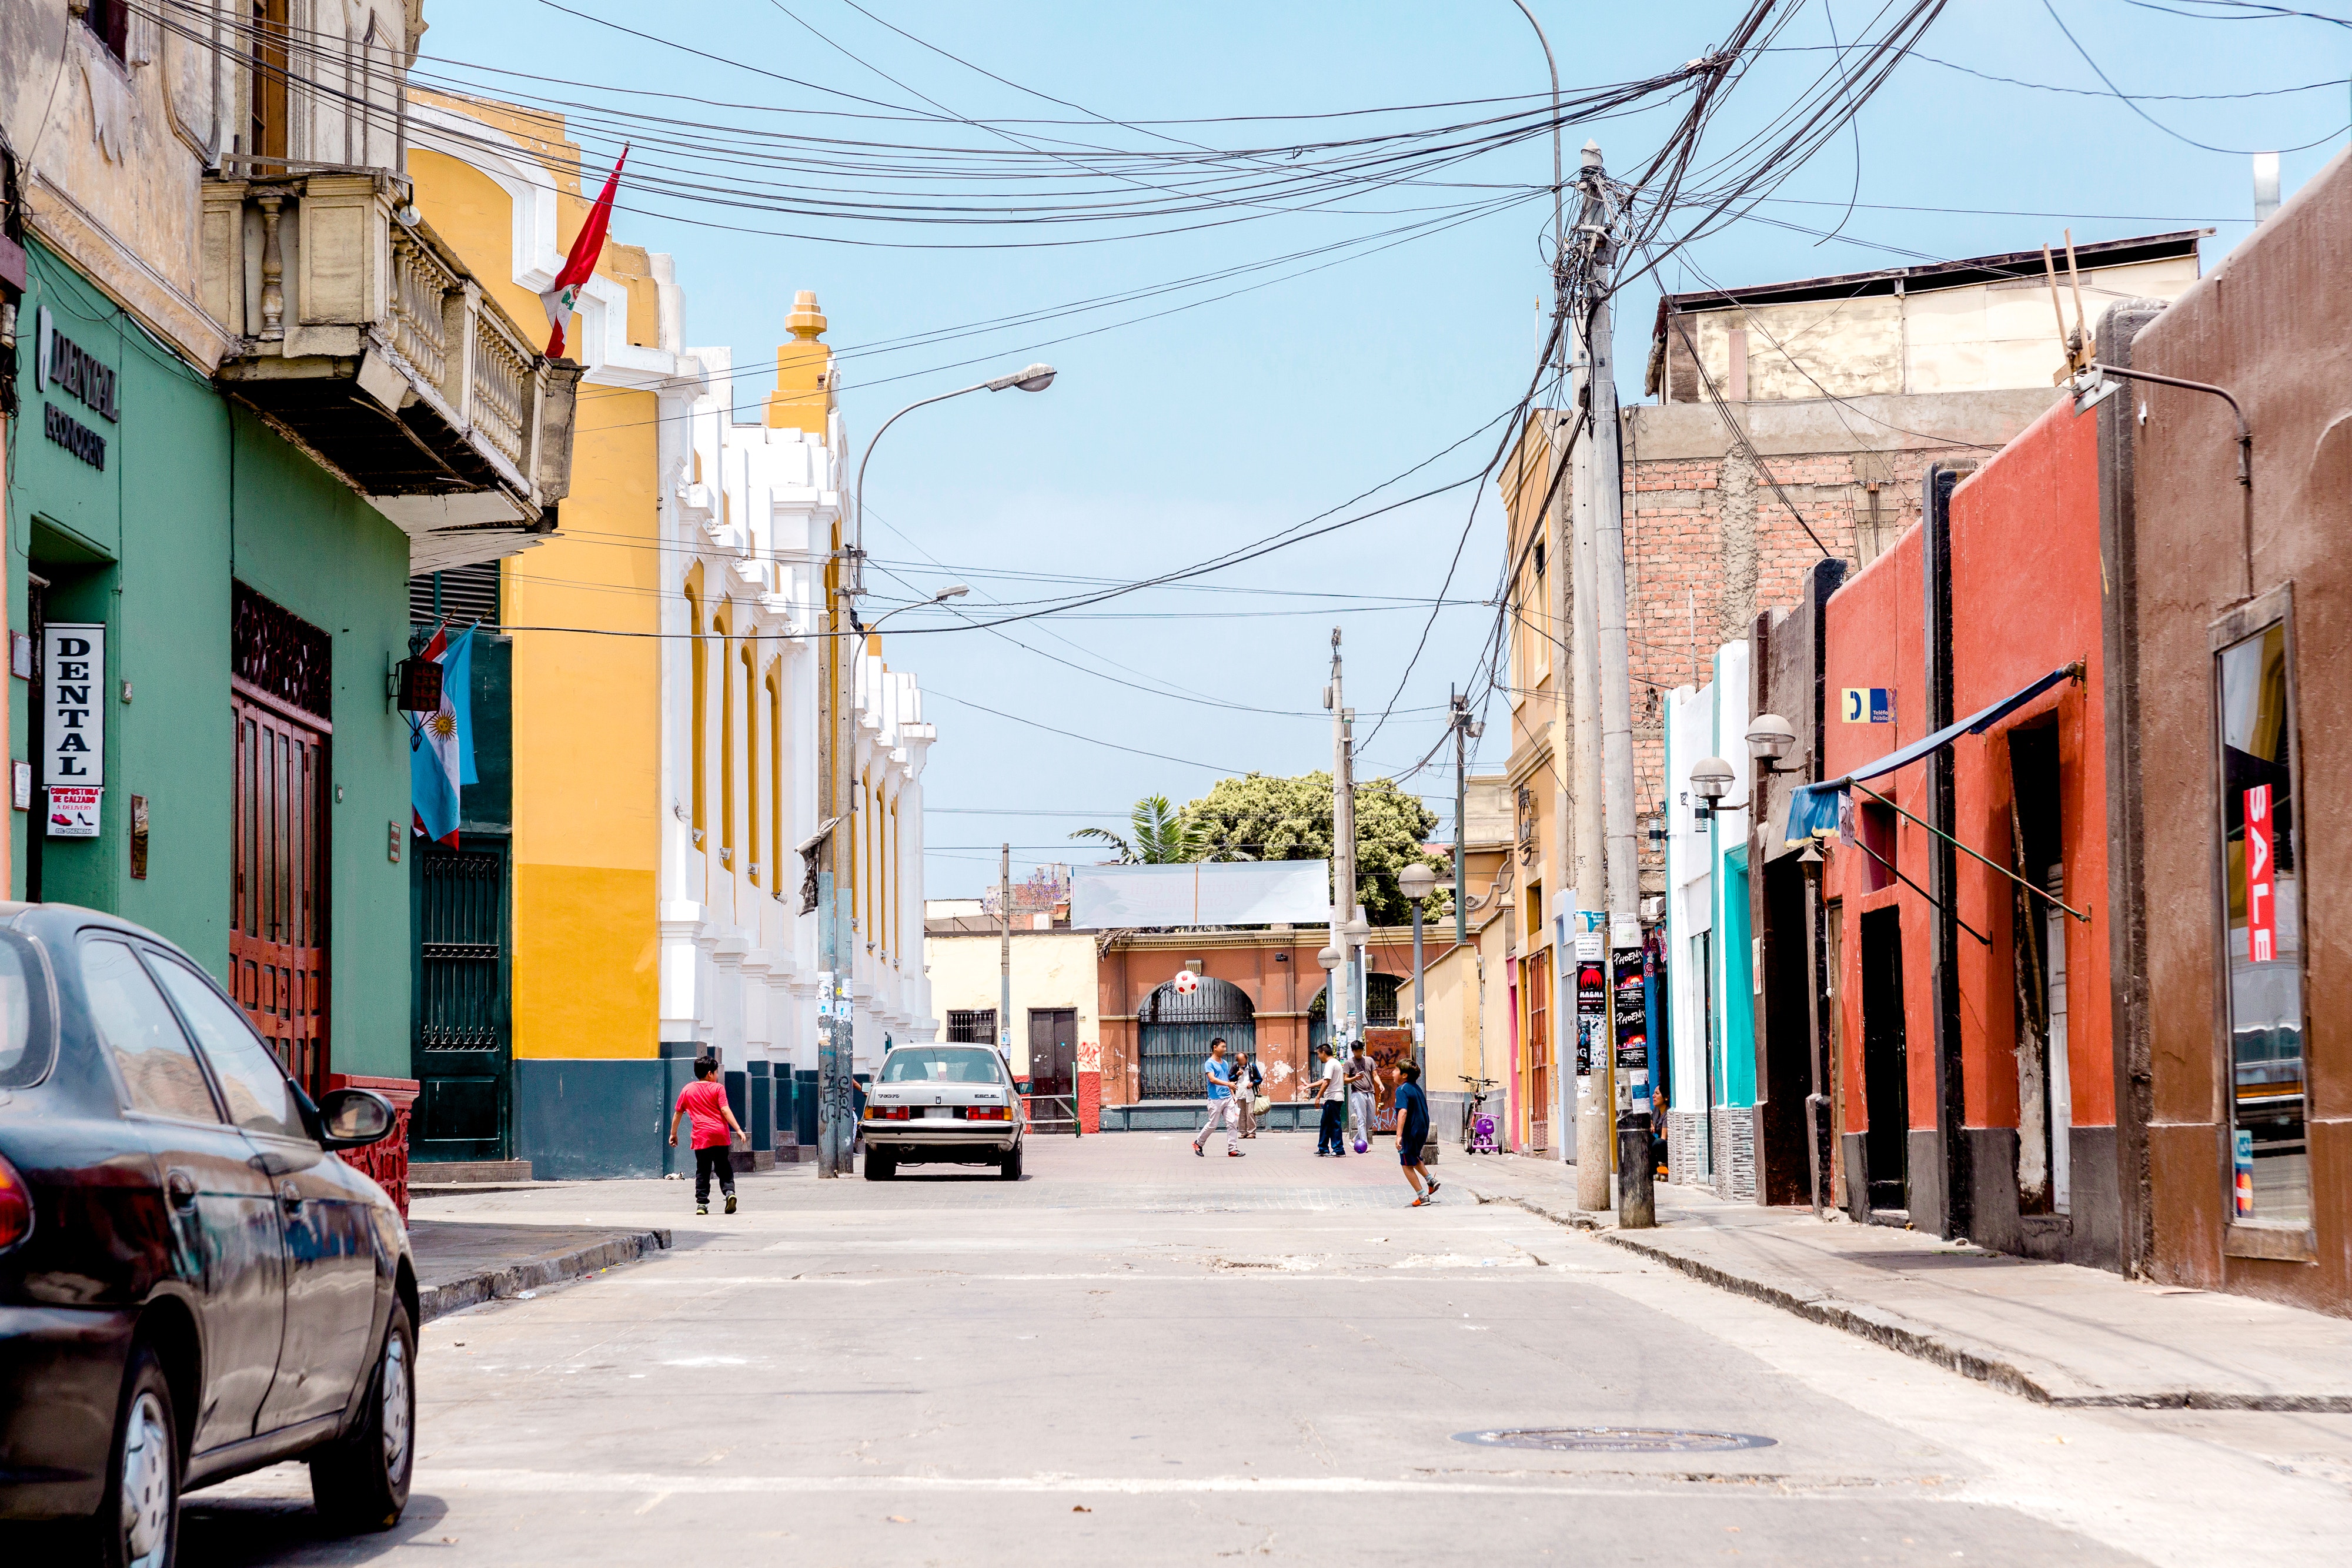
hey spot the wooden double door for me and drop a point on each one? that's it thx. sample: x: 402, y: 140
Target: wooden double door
x: 278, y: 927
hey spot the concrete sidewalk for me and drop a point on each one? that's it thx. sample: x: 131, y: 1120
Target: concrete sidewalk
x: 460, y: 1262
x: 2055, y: 1333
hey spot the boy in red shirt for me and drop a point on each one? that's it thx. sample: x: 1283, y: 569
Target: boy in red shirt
x: 715, y: 1132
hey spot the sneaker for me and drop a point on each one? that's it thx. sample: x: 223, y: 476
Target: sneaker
x: 1196, y: 1150
x: 731, y: 1201
x: 1235, y: 1154
x: 1432, y: 1193
x: 702, y: 1208
x: 1418, y: 1203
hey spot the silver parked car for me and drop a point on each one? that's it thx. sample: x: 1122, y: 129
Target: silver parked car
x: 943, y: 1104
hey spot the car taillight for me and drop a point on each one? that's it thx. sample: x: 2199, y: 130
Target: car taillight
x: 886, y: 1113
x: 987, y: 1113
x: 15, y: 1206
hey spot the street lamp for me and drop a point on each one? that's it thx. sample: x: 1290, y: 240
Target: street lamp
x: 837, y: 1029
x: 1416, y: 881
x: 1711, y: 780
x: 952, y: 591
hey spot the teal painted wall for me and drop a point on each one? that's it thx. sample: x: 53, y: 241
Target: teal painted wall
x: 198, y: 492
x: 1735, y: 1076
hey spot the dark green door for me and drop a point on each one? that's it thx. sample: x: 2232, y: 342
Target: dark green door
x: 463, y: 1048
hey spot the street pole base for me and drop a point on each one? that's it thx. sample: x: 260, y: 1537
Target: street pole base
x: 1637, y: 1199
x: 1592, y: 1134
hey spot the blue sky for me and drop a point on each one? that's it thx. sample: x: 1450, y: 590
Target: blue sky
x: 1167, y: 440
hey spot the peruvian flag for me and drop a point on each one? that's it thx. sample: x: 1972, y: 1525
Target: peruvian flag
x: 582, y: 263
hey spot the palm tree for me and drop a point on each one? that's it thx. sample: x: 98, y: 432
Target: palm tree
x: 1158, y: 834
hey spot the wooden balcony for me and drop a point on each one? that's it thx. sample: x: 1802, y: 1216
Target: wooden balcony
x: 368, y: 341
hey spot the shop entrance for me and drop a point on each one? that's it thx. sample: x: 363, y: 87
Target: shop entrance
x: 1885, y: 1086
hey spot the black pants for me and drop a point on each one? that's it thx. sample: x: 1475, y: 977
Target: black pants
x: 719, y: 1159
x: 1334, y: 1134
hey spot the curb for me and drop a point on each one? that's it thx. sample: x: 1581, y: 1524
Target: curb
x: 1952, y: 1351
x: 498, y: 1284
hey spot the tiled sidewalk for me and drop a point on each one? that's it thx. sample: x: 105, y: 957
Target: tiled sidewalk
x: 2054, y: 1332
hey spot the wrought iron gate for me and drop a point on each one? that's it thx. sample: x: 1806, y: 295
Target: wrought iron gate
x: 1176, y: 1029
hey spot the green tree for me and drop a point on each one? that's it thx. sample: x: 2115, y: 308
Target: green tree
x: 1263, y: 816
x: 1158, y: 834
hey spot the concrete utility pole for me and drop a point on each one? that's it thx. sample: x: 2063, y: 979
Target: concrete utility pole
x: 1339, y: 1002
x: 1633, y: 1101
x: 1004, y: 957
x: 1460, y: 705
x: 1596, y: 493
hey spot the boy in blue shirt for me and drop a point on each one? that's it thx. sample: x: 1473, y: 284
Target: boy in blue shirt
x: 1217, y: 1078
x: 1413, y: 1132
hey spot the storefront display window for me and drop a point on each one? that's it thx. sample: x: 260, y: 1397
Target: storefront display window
x: 2269, y: 1175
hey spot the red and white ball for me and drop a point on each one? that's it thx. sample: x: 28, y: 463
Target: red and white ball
x: 1187, y: 983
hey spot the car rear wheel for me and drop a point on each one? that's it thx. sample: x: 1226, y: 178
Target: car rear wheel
x: 879, y: 1166
x: 138, y: 1519
x: 360, y: 1480
x: 1009, y: 1167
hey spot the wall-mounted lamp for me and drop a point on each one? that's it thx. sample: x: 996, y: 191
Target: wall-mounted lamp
x: 1711, y: 780
x: 1769, y: 736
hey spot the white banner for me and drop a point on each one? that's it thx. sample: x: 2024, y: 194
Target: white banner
x: 73, y: 667
x: 1206, y: 893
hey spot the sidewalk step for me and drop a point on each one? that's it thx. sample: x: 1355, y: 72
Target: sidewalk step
x: 454, y: 1271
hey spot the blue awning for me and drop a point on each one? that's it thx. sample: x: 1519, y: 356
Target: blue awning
x: 1815, y: 809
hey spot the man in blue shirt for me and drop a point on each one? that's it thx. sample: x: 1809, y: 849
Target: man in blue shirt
x: 1413, y: 1132
x: 1217, y: 1079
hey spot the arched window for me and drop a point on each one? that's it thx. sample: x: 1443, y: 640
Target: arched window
x: 1176, y: 1029
x: 784, y: 873
x: 700, y: 659
x: 725, y: 623
x: 751, y: 759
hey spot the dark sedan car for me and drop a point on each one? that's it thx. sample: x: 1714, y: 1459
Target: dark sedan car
x: 191, y: 1284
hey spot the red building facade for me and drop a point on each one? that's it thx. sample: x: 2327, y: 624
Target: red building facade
x: 1969, y: 1015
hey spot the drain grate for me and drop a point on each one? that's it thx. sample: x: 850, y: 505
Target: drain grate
x: 1613, y: 1439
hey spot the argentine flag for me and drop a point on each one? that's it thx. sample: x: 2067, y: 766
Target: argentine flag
x: 441, y: 752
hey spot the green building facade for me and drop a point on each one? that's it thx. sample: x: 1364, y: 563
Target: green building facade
x: 255, y: 803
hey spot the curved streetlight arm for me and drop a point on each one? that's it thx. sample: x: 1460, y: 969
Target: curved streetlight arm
x: 857, y: 523
x: 1558, y: 226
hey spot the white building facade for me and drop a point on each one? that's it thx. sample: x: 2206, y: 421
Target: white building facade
x: 758, y: 514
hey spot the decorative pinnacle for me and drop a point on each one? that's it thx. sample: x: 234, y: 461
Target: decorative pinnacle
x: 806, y: 322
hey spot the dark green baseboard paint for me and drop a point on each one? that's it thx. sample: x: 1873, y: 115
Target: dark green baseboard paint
x: 591, y: 1118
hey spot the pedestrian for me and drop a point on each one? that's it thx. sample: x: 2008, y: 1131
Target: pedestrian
x: 1363, y: 1084
x: 1333, y: 1138
x: 1413, y: 1132
x: 715, y: 1132
x: 1217, y: 1080
x: 1247, y: 1080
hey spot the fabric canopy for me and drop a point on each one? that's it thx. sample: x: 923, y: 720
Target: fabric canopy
x: 1816, y: 809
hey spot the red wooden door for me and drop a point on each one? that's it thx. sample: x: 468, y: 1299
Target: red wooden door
x: 277, y: 941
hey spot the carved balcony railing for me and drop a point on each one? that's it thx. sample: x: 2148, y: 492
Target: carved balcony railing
x: 369, y: 342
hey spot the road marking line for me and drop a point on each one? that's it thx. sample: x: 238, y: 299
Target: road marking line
x: 509, y: 1480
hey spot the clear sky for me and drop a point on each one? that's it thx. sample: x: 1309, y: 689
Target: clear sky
x: 1169, y: 440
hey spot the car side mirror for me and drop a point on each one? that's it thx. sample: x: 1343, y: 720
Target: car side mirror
x: 354, y: 1118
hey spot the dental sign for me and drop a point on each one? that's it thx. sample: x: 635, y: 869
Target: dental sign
x: 59, y: 362
x: 73, y: 763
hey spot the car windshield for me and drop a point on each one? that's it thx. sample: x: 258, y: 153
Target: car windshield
x: 942, y: 1064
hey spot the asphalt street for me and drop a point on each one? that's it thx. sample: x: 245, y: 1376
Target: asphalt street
x: 1141, y: 1356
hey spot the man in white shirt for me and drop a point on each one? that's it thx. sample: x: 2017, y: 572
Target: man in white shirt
x: 1334, y: 1135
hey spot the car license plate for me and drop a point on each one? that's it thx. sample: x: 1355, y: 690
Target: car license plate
x: 939, y: 1113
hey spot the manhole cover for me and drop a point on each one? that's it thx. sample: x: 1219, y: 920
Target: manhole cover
x: 1613, y: 1439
